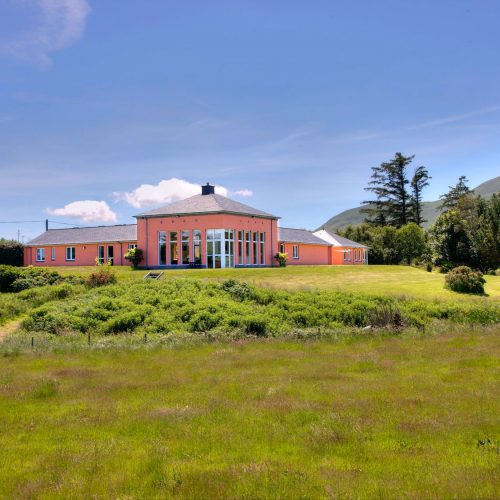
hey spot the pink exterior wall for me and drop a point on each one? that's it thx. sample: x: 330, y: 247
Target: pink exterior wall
x: 149, y: 228
x: 357, y: 256
x: 308, y: 254
x: 85, y: 254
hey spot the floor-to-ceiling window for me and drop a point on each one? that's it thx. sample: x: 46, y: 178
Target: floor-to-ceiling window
x: 248, y: 239
x: 162, y: 248
x: 262, y: 248
x: 185, y: 246
x: 174, y: 248
x: 255, y: 240
x: 197, y: 246
x: 220, y: 248
x: 241, y: 255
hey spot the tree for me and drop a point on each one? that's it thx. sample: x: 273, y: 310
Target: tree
x: 389, y: 184
x: 451, y: 198
x: 419, y: 182
x: 11, y: 252
x: 410, y: 241
x: 468, y: 234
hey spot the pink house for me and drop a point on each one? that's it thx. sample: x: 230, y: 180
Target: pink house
x: 207, y: 230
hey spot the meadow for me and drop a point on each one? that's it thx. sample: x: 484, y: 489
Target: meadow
x: 261, y: 383
x: 372, y: 417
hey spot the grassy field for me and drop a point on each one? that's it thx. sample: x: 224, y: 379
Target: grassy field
x: 383, y: 417
x: 393, y: 280
x: 355, y: 413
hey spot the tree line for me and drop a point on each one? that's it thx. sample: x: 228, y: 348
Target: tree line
x: 467, y: 231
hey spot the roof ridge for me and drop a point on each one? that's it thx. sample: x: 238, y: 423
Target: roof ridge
x: 88, y: 227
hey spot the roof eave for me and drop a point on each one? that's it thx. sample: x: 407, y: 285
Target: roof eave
x: 185, y: 214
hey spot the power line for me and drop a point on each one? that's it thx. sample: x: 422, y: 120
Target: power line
x: 36, y: 221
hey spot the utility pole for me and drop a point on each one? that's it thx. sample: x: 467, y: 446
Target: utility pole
x: 18, y: 235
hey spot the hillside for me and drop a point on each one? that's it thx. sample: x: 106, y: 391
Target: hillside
x: 354, y: 216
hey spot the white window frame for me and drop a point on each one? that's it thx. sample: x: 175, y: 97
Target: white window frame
x: 347, y: 255
x: 295, y: 250
x: 53, y: 253
x: 132, y: 246
x: 40, y: 254
x: 72, y: 250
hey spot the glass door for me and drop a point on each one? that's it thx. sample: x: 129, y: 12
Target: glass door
x: 220, y: 248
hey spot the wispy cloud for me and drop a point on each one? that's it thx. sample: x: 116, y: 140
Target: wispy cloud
x: 244, y: 192
x: 166, y: 191
x: 61, y: 24
x: 454, y: 118
x: 86, y: 211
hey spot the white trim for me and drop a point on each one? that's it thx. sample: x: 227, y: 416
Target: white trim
x: 42, y: 255
x: 295, y: 251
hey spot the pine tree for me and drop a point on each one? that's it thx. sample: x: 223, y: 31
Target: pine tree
x: 453, y: 196
x: 419, y: 182
x: 389, y: 184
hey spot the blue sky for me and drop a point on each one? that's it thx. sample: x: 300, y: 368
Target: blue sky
x: 292, y: 101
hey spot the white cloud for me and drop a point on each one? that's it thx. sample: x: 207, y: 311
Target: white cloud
x: 62, y: 23
x: 244, y: 192
x: 86, y: 210
x: 166, y: 191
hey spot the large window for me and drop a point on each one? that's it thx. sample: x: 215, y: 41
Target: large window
x: 111, y: 254
x: 262, y: 248
x: 229, y: 247
x: 197, y: 246
x: 248, y: 239
x: 220, y: 248
x: 295, y: 251
x: 241, y: 255
x: 162, y: 248
x: 40, y: 254
x: 70, y: 253
x: 185, y: 246
x: 255, y: 248
x: 100, y: 254
x: 174, y: 248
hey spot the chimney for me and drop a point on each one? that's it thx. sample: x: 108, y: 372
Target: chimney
x: 207, y: 189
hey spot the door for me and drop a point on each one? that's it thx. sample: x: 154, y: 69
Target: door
x: 220, y: 248
x: 110, y: 254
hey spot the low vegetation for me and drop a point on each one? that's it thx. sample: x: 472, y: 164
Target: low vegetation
x: 463, y: 279
x: 231, y: 306
x: 383, y: 417
x: 16, y: 279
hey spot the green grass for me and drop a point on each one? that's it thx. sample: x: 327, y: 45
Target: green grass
x: 392, y: 280
x: 382, y: 417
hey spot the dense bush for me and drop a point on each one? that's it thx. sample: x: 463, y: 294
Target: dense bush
x: 464, y: 280
x: 102, y: 276
x: 15, y: 279
x: 192, y: 306
x: 134, y: 256
x: 11, y: 253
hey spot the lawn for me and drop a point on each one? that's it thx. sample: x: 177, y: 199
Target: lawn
x: 406, y: 416
x: 393, y: 280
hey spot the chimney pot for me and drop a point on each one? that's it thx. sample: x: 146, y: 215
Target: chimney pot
x: 207, y: 189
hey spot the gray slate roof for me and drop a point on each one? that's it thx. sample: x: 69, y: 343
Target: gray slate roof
x: 75, y: 235
x: 337, y: 240
x: 208, y: 203
x: 290, y: 235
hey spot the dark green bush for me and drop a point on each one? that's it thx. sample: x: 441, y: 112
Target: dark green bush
x: 103, y: 276
x: 8, y: 275
x: 463, y: 279
x: 11, y: 253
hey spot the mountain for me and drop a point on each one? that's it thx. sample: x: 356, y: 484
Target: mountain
x: 353, y: 216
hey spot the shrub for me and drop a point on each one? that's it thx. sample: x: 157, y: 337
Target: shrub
x: 8, y: 275
x: 134, y: 256
x: 463, y: 279
x: 103, y: 276
x: 238, y: 290
x: 11, y: 253
x: 282, y: 258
